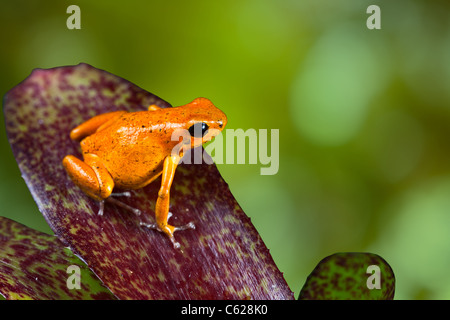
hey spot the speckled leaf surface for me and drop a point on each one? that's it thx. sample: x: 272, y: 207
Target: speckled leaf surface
x: 347, y: 276
x: 223, y: 258
x: 34, y: 265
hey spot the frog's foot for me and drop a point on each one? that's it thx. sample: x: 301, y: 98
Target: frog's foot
x: 121, y: 194
x: 169, y: 230
x: 118, y: 203
x: 102, y: 207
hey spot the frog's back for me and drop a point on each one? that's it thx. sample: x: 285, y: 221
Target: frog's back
x: 133, y: 148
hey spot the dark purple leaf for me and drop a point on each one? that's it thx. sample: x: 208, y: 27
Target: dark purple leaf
x: 34, y: 265
x: 223, y: 258
x: 350, y: 276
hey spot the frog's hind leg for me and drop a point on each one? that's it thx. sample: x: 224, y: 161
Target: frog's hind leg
x: 92, y: 177
x: 121, y: 204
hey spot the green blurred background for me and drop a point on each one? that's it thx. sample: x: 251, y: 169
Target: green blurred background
x: 363, y: 115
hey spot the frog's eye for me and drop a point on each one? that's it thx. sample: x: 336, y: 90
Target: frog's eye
x: 198, y: 129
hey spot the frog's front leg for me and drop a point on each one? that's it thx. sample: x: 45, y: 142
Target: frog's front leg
x: 92, y: 177
x: 163, y: 201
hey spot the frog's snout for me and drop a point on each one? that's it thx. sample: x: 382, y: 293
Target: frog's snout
x: 222, y: 122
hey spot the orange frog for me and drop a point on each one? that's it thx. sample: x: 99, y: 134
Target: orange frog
x: 129, y: 150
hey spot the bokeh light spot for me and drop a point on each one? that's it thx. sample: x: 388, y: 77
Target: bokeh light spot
x: 415, y: 241
x: 335, y: 84
x: 397, y: 144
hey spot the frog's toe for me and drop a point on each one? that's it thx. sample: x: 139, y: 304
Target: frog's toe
x: 169, y: 230
x: 121, y: 194
x: 102, y: 208
x: 149, y: 225
x: 123, y: 205
x: 189, y: 225
x: 176, y: 245
x: 154, y: 226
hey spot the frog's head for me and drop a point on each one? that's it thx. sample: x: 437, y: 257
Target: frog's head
x: 204, y: 121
